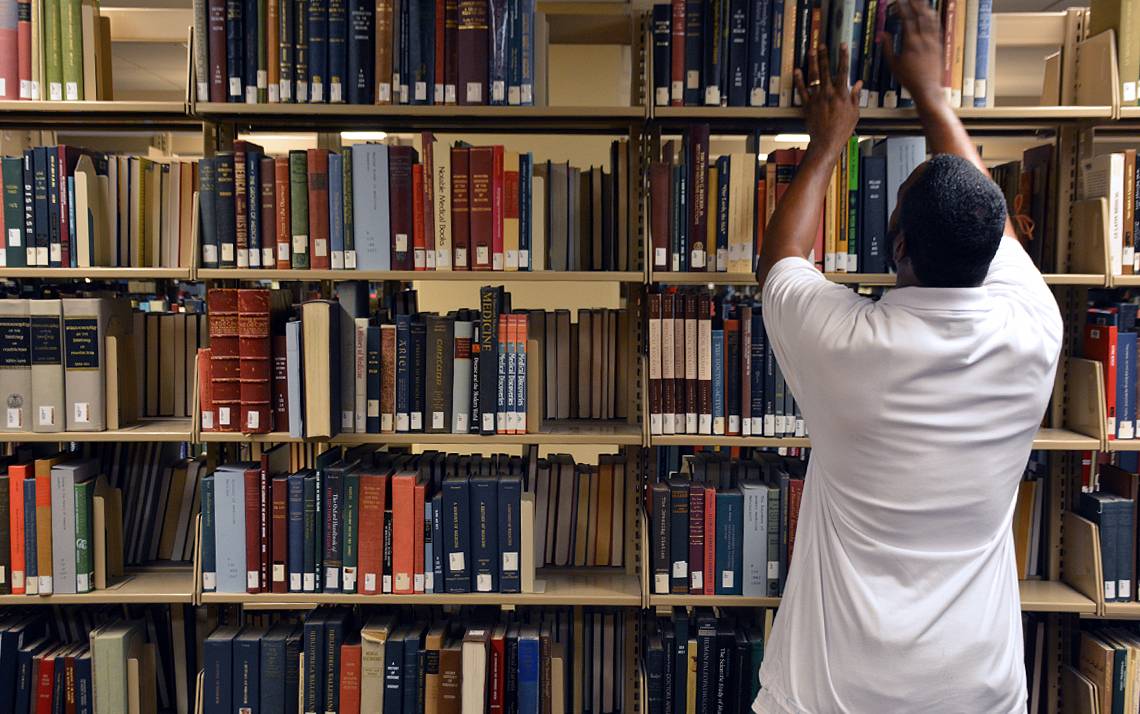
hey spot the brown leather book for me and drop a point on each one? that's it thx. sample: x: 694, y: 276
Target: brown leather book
x: 680, y: 353
x: 384, y: 44
x: 387, y: 378
x: 692, y: 348
x: 598, y: 372
x: 255, y: 357
x: 268, y: 206
x: 216, y: 13
x: 225, y: 361
x: 471, y: 39
x: 400, y: 198
x: 698, y: 144
x: 659, y: 184
x: 209, y: 415
x: 279, y: 517
x: 433, y: 645
x: 280, y: 395
x: 318, y: 172
x: 605, y: 506
x: 252, y: 480
x: 460, y: 208
x: 704, y: 362
x: 584, y: 357
x: 450, y: 682
x: 597, y: 245
x: 481, y: 219
x: 283, y: 216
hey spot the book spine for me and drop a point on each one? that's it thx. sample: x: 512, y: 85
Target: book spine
x: 481, y: 207
x: 267, y: 224
x: 982, y: 55
x: 460, y: 206
x: 317, y: 166
x: 473, y: 45
x: 71, y: 48
x: 338, y: 48
x: 318, y: 48
x: 255, y: 365
x: 332, y: 528
x: 23, y: 43
x: 679, y: 537
x: 456, y: 519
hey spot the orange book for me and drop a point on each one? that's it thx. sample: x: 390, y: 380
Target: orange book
x: 16, y: 476
x: 502, y: 416
x: 419, y: 241
x: 403, y: 532
x: 350, y: 673
x: 370, y: 548
x: 418, y: 538
x: 521, y: 361
x: 710, y: 540
x: 43, y: 522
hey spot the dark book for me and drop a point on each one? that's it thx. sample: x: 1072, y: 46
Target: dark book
x: 247, y: 669
x: 313, y: 650
x: 284, y: 52
x: 484, y: 533
x: 394, y: 670
x: 295, y: 528
x: 488, y: 357
x: 681, y: 627
x: 661, y: 516
x: 207, y: 220
x: 400, y: 160
x: 403, y: 371
x: 472, y: 41
x: 267, y: 228
x: 225, y: 209
x: 337, y: 50
x: 311, y: 543
x: 706, y: 679
x: 15, y: 253
x: 661, y: 57
x: 873, y: 215
x: 440, y: 363
x: 694, y: 26
x: 301, y: 51
x: 235, y: 50
x: 497, y: 51
x: 372, y: 370
x: 480, y: 207
x: 218, y: 659
x: 318, y: 37
x: 274, y: 661
x: 437, y: 542
x: 679, y: 536
x: 336, y: 623
x: 361, y: 53
x: 250, y: 56
x: 1109, y: 513
x: 413, y: 670
x: 714, y: 17
x: 418, y: 360
x: 456, y: 519
x: 696, y: 565
x: 460, y: 207
x: 42, y: 204
x: 509, y: 525
x: 697, y: 141
x: 332, y: 525
x: 758, y: 50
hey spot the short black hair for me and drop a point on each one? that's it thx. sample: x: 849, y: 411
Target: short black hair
x: 952, y: 217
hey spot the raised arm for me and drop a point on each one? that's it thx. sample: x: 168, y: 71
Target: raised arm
x: 831, y: 110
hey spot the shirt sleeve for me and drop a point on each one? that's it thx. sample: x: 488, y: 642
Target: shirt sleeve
x: 1014, y: 277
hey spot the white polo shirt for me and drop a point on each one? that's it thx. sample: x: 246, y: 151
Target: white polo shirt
x: 902, y: 593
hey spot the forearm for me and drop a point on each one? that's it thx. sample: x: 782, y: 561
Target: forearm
x: 794, y: 224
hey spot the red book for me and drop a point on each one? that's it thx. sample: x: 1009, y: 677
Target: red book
x: 69, y: 697
x: 16, y: 475
x: 1100, y: 345
x: 419, y: 241
x: 350, y: 674
x: 268, y: 212
x: 318, y: 167
x: 404, y: 527
x: 498, y: 184
x: 370, y: 545
x: 511, y: 212
x: 949, y: 21
x: 400, y: 198
x: 45, y: 679
x: 283, y: 216
x: 440, y: 44
x: 496, y: 672
x: 676, y: 54
x: 280, y: 384
x: 225, y: 359
x: 660, y: 183
x: 418, y: 539
x: 9, y: 56
x: 696, y: 539
x: 241, y: 202
x: 253, y: 530
x: 460, y: 207
x: 795, y: 494
x: 255, y: 358
x: 264, y: 505
x: 24, y: 48
x: 279, y: 534
x: 710, y: 541
x: 480, y: 172
x: 216, y: 21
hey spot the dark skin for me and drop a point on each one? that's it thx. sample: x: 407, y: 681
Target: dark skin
x: 831, y: 111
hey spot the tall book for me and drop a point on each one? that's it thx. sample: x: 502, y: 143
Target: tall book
x: 85, y: 323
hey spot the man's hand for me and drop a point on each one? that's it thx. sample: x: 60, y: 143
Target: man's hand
x: 918, y: 65
x: 831, y: 110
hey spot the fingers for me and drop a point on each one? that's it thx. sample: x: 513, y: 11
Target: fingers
x: 908, y: 18
x: 822, y: 60
x: 813, y: 68
x: 844, y: 70
x: 800, y: 88
x: 855, y: 92
x: 887, y: 46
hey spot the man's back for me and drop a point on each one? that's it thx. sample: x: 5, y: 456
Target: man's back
x: 902, y: 595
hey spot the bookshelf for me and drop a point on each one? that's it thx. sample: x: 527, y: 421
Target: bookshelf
x: 432, y: 276
x: 1046, y: 440
x: 868, y: 279
x: 158, y: 585
x: 96, y: 273
x: 175, y: 430
x: 566, y: 435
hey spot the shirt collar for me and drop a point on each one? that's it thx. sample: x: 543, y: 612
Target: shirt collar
x: 922, y: 298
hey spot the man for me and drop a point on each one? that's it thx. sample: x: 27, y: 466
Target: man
x: 902, y: 595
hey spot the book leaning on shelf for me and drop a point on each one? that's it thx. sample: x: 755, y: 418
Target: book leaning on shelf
x: 1115, y: 177
x: 70, y: 207
x: 461, y: 52
x: 54, y: 50
x: 428, y: 206
x: 1122, y: 17
x: 744, y: 52
x: 709, y: 214
x: 337, y: 659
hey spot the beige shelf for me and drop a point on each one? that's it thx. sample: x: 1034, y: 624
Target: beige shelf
x: 483, y: 276
x: 616, y: 590
x: 614, y: 434
x: 1046, y: 440
x: 148, y: 430
x: 98, y: 273
x: 1122, y: 445
x: 97, y: 114
x: 1121, y: 611
x: 711, y: 601
x: 675, y: 278
x: 1125, y: 281
x: 1089, y: 279
x: 1027, y: 116
x: 161, y: 584
x: 1064, y: 440
x: 1131, y: 113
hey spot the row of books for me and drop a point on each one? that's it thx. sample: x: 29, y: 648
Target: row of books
x: 1115, y: 177
x: 1110, y: 338
x: 54, y: 50
x: 710, y: 215
x: 342, y: 368
x: 1121, y: 18
x: 701, y: 661
x: 1106, y: 666
x: 729, y: 530
x: 69, y: 207
x: 1028, y: 514
x: 165, y: 346
x: 1030, y: 187
x: 1113, y: 510
x: 712, y: 369
x: 341, y: 660
x: 413, y: 207
x: 470, y: 52
x: 744, y: 53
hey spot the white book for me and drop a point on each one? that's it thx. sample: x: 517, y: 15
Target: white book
x: 360, y: 374
x: 1102, y: 176
x: 970, y: 56
x: 474, y: 668
x: 461, y: 378
x: 754, y: 545
x: 442, y: 188
x: 372, y: 638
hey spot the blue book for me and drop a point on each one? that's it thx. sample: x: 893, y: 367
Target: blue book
x: 84, y: 684
x: 372, y: 383
x: 229, y: 530
x: 756, y: 374
x: 55, y: 249
x: 526, y: 174
x: 284, y: 53
x: 437, y: 542
x: 528, y: 669
x: 207, y: 224
x: 425, y: 70
x: 26, y: 676
x: 662, y: 68
x: 318, y: 29
x: 683, y: 211
x: 721, y: 213
x: 311, y: 542
x: 393, y: 670
x: 361, y: 78
x: 313, y: 648
x: 272, y: 668
x: 301, y: 50
x: 1126, y: 385
x: 526, y: 82
x: 1105, y: 510
x: 253, y: 201
x: 855, y: 65
x: 247, y: 669
x: 775, y: 48
x: 759, y: 36
x: 510, y: 523
x: 509, y: 375
x: 514, y: 52
x: 403, y: 372
x: 413, y: 691
x: 293, y: 648
x: 371, y: 228
x: 41, y: 206
x: 296, y: 530
x: 484, y: 534
x: 71, y: 254
x: 457, y: 554
x: 337, y: 51
x: 336, y: 211
x: 331, y: 527
x: 249, y: 25
x: 206, y: 548
x: 498, y: 39
x: 31, y: 569
x: 235, y: 51
x: 336, y: 624
x: 729, y: 568
x: 217, y: 656
x: 417, y: 372
x: 718, y: 380
x: 13, y: 636
x: 982, y: 58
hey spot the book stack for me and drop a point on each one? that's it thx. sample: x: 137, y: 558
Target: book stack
x: 579, y: 511
x: 1029, y: 186
x: 724, y: 527
x: 420, y: 207
x: 1124, y: 20
x: 58, y: 51
x: 709, y: 215
x: 468, y: 52
x: 1028, y: 536
x: 1106, y: 664
x: 712, y: 369
x: 69, y: 207
x: 1115, y: 177
x: 744, y: 53
x: 1110, y: 338
x: 1113, y: 510
x: 704, y: 662
x: 165, y: 346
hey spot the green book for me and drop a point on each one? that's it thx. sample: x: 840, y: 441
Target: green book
x: 350, y: 500
x: 299, y: 207
x: 349, y: 240
x: 84, y: 536
x: 52, y: 48
x: 16, y: 255
x: 853, y: 205
x: 71, y: 47
x: 111, y: 646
